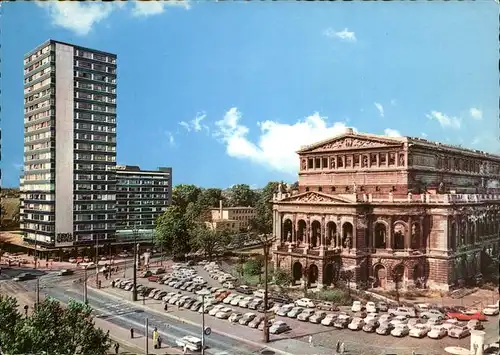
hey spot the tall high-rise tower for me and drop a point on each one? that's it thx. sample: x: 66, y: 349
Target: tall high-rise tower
x: 69, y: 182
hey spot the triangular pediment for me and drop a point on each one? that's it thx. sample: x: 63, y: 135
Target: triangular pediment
x: 314, y: 197
x: 351, y: 142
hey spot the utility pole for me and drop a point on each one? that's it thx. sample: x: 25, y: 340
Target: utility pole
x: 35, y: 255
x: 146, y: 325
x: 266, y: 256
x: 85, y: 300
x: 96, y: 260
x: 134, y: 287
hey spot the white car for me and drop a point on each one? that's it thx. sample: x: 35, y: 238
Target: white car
x: 235, y: 317
x: 224, y: 313
x: 245, y: 301
x: 305, y: 302
x: 329, y: 319
x: 356, y: 324
x: 283, y: 310
x: 437, y: 332
x: 357, y: 306
x: 259, y: 293
x: 305, y: 315
x: 279, y: 327
x: 236, y: 300
x: 190, y: 342
x: 372, y: 317
x: 214, y: 310
x: 491, y: 310
x: 317, y: 317
x: 294, y: 312
x: 450, y: 323
x: 247, y: 318
x: 419, y: 331
x: 229, y: 285
x: 399, y: 320
x: 432, y: 313
x: 371, y: 307
x: 459, y: 332
x: 400, y: 331
x: 229, y: 298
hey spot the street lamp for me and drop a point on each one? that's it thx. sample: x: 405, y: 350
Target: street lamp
x: 203, y: 293
x: 134, y: 292
x: 266, y: 258
x: 85, y: 299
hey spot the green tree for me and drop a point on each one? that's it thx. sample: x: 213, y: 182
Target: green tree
x: 172, y: 231
x: 242, y: 195
x: 50, y: 329
x: 208, y: 240
x: 263, y: 221
x: 210, y: 198
x: 282, y: 277
x: 183, y: 194
x: 254, y: 266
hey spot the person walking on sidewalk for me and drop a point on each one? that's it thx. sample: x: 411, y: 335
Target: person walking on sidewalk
x: 117, y: 348
x: 337, y: 347
x: 159, y: 342
x: 155, y: 338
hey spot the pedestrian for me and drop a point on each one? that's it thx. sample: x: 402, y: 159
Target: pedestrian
x: 337, y: 347
x: 342, y: 348
x: 155, y: 338
x: 117, y: 348
x: 185, y: 349
x: 165, y: 307
x: 159, y: 342
x: 310, y: 340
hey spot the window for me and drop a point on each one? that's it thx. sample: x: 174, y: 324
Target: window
x: 325, y: 163
x: 84, y: 64
x: 320, y: 189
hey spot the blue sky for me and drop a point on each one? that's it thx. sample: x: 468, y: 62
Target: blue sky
x: 226, y: 92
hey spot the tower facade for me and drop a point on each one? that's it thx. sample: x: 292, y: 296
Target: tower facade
x: 69, y: 182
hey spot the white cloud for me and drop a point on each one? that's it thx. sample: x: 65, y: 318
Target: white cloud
x: 392, y: 132
x: 476, y: 113
x: 170, y: 138
x: 423, y: 134
x: 444, y: 120
x: 380, y: 108
x: 78, y: 17
x: 151, y: 8
x: 344, y: 35
x: 196, y: 123
x: 277, y: 143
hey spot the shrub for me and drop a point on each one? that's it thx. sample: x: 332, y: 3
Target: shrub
x: 254, y: 266
x: 282, y: 277
x: 336, y: 296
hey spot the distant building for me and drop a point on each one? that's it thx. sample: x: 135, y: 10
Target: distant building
x: 142, y: 196
x: 233, y: 219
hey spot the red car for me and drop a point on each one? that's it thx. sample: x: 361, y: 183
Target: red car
x: 153, y: 278
x: 466, y: 317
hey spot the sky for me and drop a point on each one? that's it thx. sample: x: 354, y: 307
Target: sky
x: 226, y: 92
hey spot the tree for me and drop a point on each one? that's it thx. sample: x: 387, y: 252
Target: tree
x: 242, y: 195
x: 172, y: 231
x: 50, y: 329
x: 282, y: 277
x: 183, y: 194
x: 210, y: 198
x: 263, y: 221
x: 209, y: 240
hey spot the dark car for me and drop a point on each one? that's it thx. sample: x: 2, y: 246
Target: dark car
x: 244, y: 290
x: 65, y: 272
x: 284, y: 299
x: 328, y: 306
x: 24, y: 276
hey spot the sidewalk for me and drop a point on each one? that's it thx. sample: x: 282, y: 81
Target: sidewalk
x: 280, y: 344
x: 136, y: 345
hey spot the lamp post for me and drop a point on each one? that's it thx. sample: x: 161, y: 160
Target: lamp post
x: 134, y: 292
x: 85, y: 300
x: 203, y: 294
x: 266, y: 257
x: 97, y: 260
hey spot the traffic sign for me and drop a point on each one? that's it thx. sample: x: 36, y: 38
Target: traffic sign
x: 208, y: 331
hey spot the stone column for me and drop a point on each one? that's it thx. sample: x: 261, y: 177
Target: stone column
x: 275, y: 230
x: 354, y: 236
x: 378, y: 159
x: 421, y: 235
x: 294, y: 230
x: 408, y: 235
x: 389, y: 235
x: 323, y: 233
x: 279, y: 225
x: 386, y: 159
x: 307, y: 232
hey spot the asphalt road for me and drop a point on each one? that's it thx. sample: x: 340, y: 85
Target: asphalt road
x: 124, y: 315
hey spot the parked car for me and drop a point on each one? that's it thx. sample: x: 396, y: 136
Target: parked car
x: 247, y: 318
x: 328, y: 306
x: 305, y: 302
x: 279, y: 327
x: 294, y: 312
x: 370, y: 326
x: 190, y: 342
x: 401, y: 330
x: 408, y: 312
x: 475, y: 324
x: 146, y: 274
x: 419, y: 331
x: 329, y: 319
x: 261, y: 325
x: 245, y: 301
x: 385, y: 328
x: 259, y: 293
x: 196, y: 306
x: 188, y: 303
x: 382, y: 307
x: 491, y: 310
x: 437, y: 332
x: 24, y: 277
x: 385, y: 318
x: 466, y: 317
x: 256, y: 322
x: 255, y: 303
x: 229, y: 298
x: 342, y: 321
x: 236, y: 300
x: 432, y: 313
x: 450, y: 323
x: 278, y: 298
x: 207, y: 307
x: 235, y: 317
x: 244, y: 289
x: 160, y: 295
x: 261, y: 309
x: 459, y: 332
x: 357, y: 306
x: 305, y: 315
x: 285, y: 309
x: 399, y: 320
x: 224, y: 313
x: 317, y: 317
x: 371, y: 307
x: 215, y: 309
x: 356, y: 324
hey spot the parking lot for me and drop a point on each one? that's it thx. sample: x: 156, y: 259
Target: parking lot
x: 358, y: 341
